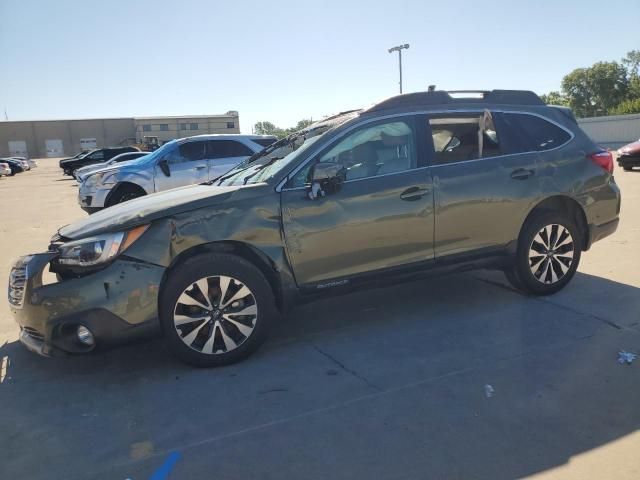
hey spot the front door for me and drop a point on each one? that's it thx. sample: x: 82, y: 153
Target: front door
x: 381, y: 217
x: 187, y: 166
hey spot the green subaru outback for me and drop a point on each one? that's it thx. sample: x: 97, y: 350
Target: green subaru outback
x: 422, y: 183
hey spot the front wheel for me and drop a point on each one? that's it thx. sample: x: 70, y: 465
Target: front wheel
x: 548, y: 254
x: 216, y: 309
x: 124, y: 194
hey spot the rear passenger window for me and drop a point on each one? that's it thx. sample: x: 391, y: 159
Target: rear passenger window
x: 464, y: 137
x: 529, y: 133
x: 227, y: 148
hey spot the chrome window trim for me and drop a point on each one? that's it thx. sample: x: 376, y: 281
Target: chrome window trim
x: 281, y: 184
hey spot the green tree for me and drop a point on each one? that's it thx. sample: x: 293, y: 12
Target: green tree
x: 555, y: 98
x: 631, y: 105
x: 595, y: 90
x: 266, y: 128
x: 632, y: 65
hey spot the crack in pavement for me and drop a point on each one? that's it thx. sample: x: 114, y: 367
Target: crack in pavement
x: 343, y: 367
x: 547, y: 301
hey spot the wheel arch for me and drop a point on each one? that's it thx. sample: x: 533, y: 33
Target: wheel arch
x: 118, y: 187
x: 566, y: 204
x: 243, y: 250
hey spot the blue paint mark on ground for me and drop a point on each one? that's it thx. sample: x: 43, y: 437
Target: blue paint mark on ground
x: 165, y: 469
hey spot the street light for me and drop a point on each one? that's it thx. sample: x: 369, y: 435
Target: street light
x: 399, y: 49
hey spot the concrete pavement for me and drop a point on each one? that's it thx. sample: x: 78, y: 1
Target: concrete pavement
x: 452, y: 377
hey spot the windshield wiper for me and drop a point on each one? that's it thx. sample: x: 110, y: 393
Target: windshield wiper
x: 260, y: 168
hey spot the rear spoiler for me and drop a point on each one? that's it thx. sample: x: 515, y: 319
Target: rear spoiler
x: 566, y: 111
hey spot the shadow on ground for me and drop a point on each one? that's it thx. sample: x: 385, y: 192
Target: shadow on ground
x: 389, y: 383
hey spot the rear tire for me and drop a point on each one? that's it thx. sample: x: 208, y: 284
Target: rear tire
x: 548, y: 254
x: 216, y: 309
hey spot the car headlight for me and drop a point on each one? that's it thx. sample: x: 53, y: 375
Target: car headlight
x: 92, y: 251
x: 102, y: 178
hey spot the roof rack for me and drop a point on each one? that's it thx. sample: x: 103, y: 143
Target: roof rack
x: 441, y: 97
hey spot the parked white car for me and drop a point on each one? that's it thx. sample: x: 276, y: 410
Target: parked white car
x: 5, y: 170
x: 178, y: 163
x: 84, y: 172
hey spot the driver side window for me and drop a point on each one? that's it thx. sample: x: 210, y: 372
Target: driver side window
x: 370, y: 151
x: 186, y: 152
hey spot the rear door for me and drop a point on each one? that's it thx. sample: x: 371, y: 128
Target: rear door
x: 484, y: 181
x: 187, y: 166
x: 381, y: 217
x: 223, y: 155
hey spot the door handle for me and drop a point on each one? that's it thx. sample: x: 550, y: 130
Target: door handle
x: 414, y: 193
x: 522, y: 173
x: 200, y: 167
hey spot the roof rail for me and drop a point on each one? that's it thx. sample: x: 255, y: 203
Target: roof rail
x: 441, y: 97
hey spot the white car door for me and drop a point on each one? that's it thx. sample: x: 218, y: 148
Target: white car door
x: 223, y: 155
x: 184, y: 164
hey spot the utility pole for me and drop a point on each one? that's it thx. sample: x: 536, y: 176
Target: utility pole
x: 399, y: 49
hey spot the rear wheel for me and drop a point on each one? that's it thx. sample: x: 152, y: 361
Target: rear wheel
x: 549, y: 250
x: 216, y: 309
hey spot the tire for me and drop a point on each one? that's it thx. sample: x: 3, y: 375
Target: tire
x: 221, y: 336
x: 124, y: 194
x: 546, y: 273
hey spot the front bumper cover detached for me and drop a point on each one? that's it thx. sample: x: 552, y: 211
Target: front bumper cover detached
x: 117, y: 304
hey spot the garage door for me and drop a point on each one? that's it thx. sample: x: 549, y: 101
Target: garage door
x: 54, y: 148
x: 18, y: 148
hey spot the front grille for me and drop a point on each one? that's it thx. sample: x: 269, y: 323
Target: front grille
x: 17, y: 283
x: 33, y: 333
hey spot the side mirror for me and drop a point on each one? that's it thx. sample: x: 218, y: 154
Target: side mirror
x: 326, y: 178
x: 164, y: 166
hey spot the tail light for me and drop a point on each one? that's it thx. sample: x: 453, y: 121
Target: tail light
x: 603, y: 159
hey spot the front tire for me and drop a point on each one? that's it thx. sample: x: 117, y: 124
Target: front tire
x: 124, y: 194
x: 548, y: 254
x: 216, y: 309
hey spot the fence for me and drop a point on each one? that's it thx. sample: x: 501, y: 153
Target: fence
x: 613, y: 131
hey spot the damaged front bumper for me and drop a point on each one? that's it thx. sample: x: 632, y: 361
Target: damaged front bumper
x: 117, y: 304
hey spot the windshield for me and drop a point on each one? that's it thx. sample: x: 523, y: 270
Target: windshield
x: 274, y: 158
x: 159, y: 153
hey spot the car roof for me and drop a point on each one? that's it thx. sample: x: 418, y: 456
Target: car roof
x: 455, y: 99
x: 223, y: 136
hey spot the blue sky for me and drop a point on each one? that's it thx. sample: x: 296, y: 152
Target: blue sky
x: 286, y: 60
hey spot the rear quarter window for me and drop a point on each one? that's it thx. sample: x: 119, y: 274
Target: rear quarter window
x: 530, y: 133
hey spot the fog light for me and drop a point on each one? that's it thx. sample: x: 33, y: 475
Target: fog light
x: 85, y: 336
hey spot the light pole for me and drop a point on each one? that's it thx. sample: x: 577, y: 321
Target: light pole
x: 399, y: 49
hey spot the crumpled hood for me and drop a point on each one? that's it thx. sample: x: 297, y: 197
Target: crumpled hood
x: 148, y: 208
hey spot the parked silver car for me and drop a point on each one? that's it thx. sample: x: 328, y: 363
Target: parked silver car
x: 84, y: 172
x: 178, y: 163
x: 5, y: 169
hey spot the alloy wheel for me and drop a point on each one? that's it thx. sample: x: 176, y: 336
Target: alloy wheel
x: 551, y: 253
x: 215, y: 315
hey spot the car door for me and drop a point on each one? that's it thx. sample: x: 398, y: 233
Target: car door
x: 223, y: 155
x: 186, y: 166
x: 482, y: 187
x: 380, y: 218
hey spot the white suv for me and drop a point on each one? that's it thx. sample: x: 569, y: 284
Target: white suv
x: 181, y: 162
